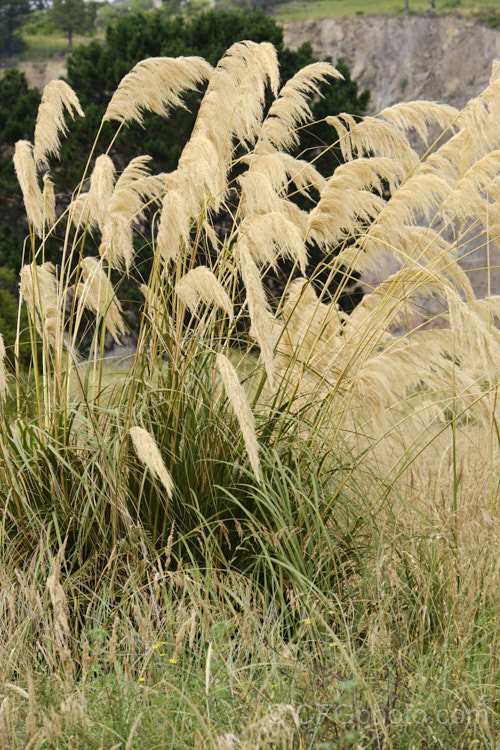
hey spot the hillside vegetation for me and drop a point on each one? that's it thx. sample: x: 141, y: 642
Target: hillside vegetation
x: 280, y: 529
x: 485, y: 10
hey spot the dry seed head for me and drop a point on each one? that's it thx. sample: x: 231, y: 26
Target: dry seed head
x: 481, y: 350
x: 342, y: 213
x: 102, y: 182
x: 147, y: 451
x: 117, y: 245
x: 201, y: 285
x: 201, y: 173
x: 423, y: 193
x: 418, y: 115
x: 258, y: 195
x: 97, y: 294
x: 272, y: 236
x: 173, y: 229
x: 276, y: 728
x: 57, y: 97
x: 466, y: 197
x: 59, y: 603
x: 372, y: 135
x: 291, y: 107
x: 49, y: 201
x: 38, y: 288
x: 155, y: 84
x: 24, y: 164
x: 261, y: 66
x: 17, y: 690
x: 367, y: 174
x: 480, y: 125
x: 260, y: 316
x: 244, y: 414
x: 231, y: 110
x: 133, y: 189
x: 79, y: 211
x: 281, y: 168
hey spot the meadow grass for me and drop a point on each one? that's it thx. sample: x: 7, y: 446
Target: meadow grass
x: 279, y: 526
x: 309, y: 9
x: 41, y: 47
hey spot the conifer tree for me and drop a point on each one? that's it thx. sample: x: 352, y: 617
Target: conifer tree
x: 12, y: 13
x: 72, y: 16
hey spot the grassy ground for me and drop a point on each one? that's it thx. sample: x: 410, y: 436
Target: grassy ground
x: 42, y: 47
x: 336, y: 8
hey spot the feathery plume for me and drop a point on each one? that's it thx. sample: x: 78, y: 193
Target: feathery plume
x: 147, y: 451
x: 238, y: 399
x: 49, y: 201
x: 133, y: 189
x: 231, y: 111
x: 342, y: 213
x: 257, y: 194
x: 418, y: 115
x: 474, y: 337
x: 201, y: 285
x: 348, y: 200
x: 261, y: 66
x: 117, y: 244
x: 57, y: 97
x: 38, y: 288
x: 25, y: 167
x: 102, y: 182
x: 97, y: 293
x: 466, y: 198
x: 291, y: 108
x: 281, y: 168
x: 423, y: 193
x: 372, y: 135
x: 271, y: 236
x: 260, y: 315
x: 155, y: 84
x: 173, y: 230
x: 79, y: 212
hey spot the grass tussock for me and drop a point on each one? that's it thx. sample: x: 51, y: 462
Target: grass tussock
x: 280, y: 527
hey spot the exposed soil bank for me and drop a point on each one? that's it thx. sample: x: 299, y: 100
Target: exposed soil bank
x: 441, y: 58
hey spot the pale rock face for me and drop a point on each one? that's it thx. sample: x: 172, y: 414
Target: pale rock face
x: 446, y: 59
x: 443, y: 58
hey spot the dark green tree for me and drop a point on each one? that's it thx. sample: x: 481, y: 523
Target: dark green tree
x: 72, y: 16
x: 18, y: 108
x: 12, y: 15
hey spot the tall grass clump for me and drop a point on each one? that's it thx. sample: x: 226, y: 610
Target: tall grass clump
x: 328, y: 481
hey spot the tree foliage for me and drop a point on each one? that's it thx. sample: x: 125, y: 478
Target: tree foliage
x: 12, y: 14
x: 72, y: 16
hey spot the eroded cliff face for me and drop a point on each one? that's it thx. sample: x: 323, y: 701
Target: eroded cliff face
x: 444, y: 58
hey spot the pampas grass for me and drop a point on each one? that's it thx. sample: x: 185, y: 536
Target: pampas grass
x: 57, y: 98
x: 147, y: 450
x: 24, y: 164
x: 97, y: 293
x: 238, y: 399
x: 337, y: 473
x: 201, y: 285
x: 156, y: 85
